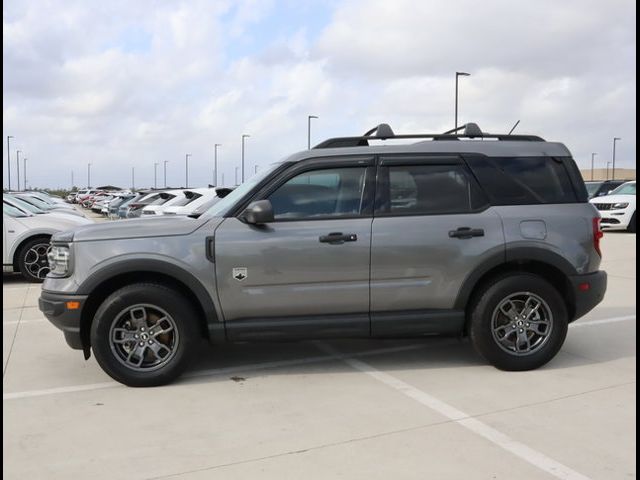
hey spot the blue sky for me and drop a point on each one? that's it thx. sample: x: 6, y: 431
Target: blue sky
x: 128, y: 84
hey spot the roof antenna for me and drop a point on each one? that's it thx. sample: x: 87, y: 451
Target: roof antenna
x: 514, y: 127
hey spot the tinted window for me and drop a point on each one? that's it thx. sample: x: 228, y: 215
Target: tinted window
x: 524, y: 180
x: 428, y: 189
x: 332, y: 192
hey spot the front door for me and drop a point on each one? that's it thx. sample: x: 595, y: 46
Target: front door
x: 432, y: 228
x: 307, y: 273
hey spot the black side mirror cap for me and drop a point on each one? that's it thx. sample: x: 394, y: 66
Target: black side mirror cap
x: 258, y: 213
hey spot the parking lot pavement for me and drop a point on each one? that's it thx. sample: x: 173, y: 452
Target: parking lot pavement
x: 350, y: 409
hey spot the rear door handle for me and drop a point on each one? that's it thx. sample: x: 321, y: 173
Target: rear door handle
x: 338, y: 238
x: 466, y: 232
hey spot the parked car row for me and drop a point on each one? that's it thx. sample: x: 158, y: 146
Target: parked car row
x: 126, y: 204
x: 618, y: 207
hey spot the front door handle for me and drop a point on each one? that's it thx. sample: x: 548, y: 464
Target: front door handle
x: 466, y: 232
x: 338, y: 238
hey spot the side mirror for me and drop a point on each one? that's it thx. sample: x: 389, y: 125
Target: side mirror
x: 258, y: 213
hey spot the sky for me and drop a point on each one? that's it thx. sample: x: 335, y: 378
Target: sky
x: 127, y: 84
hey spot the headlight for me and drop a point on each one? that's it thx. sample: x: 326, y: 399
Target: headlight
x: 59, y: 257
x: 619, y: 206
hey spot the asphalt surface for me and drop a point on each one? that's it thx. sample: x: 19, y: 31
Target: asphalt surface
x: 350, y: 409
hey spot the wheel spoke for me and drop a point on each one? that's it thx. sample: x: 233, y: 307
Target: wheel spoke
x: 538, y: 327
x: 122, y: 335
x: 139, y: 317
x: 159, y: 350
x: 161, y: 326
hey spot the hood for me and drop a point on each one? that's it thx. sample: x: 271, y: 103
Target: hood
x: 52, y: 222
x: 156, y: 226
x: 614, y: 199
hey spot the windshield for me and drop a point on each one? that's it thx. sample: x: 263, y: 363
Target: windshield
x: 592, y: 188
x: 35, y: 201
x: 625, y: 189
x: 223, y: 206
x: 24, y: 205
x: 13, y: 211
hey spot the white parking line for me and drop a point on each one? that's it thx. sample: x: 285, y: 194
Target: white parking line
x: 604, y: 320
x: 496, y: 437
x: 212, y: 372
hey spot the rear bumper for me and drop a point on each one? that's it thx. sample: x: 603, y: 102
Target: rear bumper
x: 54, y: 306
x: 588, y: 291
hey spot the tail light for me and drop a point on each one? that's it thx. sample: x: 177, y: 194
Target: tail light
x: 597, y: 235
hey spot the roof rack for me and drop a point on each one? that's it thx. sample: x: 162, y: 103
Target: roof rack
x: 384, y: 132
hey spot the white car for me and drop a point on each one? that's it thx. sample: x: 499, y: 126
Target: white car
x: 192, y: 200
x: 29, y: 208
x: 172, y: 196
x: 618, y: 208
x: 25, y: 240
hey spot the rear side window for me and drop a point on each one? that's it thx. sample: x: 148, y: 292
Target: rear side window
x: 427, y: 190
x: 524, y: 180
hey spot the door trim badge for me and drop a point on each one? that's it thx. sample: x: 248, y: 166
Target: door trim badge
x: 240, y: 273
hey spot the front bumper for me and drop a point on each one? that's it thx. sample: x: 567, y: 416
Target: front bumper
x: 588, y: 291
x: 56, y: 308
x: 615, y: 219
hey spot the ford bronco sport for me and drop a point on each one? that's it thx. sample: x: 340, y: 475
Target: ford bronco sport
x: 461, y: 233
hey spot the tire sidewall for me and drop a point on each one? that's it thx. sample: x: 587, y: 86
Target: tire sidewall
x: 167, y: 299
x: 481, y: 319
x: 22, y: 257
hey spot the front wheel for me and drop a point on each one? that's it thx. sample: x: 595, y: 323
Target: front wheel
x: 144, y: 334
x: 32, y: 259
x: 519, y: 322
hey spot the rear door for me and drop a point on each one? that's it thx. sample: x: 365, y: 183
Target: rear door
x: 432, y: 227
x: 307, y: 273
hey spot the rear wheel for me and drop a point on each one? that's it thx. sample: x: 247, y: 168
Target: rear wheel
x: 32, y: 259
x: 519, y: 322
x: 143, y: 334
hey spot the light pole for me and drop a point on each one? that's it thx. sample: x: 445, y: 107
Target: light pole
x: 88, y: 175
x: 24, y: 170
x: 458, y: 74
x: 255, y: 169
x: 133, y: 178
x: 165, y: 173
x: 236, y: 177
x: 607, y: 175
x: 309, y: 117
x: 223, y: 179
x: 592, y: 155
x: 215, y: 164
x: 613, y: 167
x: 244, y: 135
x: 155, y: 175
x: 72, y: 180
x: 9, y: 160
x: 18, y: 152
x: 186, y: 170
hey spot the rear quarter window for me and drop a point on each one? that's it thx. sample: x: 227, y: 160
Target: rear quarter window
x: 524, y: 180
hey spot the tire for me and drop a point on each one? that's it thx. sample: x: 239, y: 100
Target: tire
x: 124, y: 341
x: 32, y: 259
x: 492, y: 331
x: 632, y: 224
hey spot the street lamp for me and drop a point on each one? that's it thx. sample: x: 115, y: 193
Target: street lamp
x: 155, y: 175
x: 9, y: 160
x: 24, y: 163
x: 607, y: 176
x: 215, y: 164
x: 255, y: 169
x: 244, y: 135
x: 133, y: 178
x: 71, y: 179
x: 165, y: 173
x: 459, y: 74
x: 186, y: 170
x: 592, y: 155
x: 18, y: 152
x: 613, y: 167
x: 309, y: 117
x: 88, y: 175
x: 236, y: 177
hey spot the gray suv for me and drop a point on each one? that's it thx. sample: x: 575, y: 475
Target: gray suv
x: 463, y: 233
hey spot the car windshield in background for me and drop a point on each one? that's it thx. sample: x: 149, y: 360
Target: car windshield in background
x: 592, y: 188
x: 24, y: 205
x: 13, y: 211
x: 625, y: 189
x: 224, y: 205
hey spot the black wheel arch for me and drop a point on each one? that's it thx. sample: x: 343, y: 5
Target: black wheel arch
x: 540, y: 261
x: 104, y: 282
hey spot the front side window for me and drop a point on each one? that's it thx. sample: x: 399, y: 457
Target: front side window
x: 332, y: 192
x: 625, y: 189
x: 427, y: 190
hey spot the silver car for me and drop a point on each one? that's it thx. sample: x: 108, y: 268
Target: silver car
x: 489, y: 236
